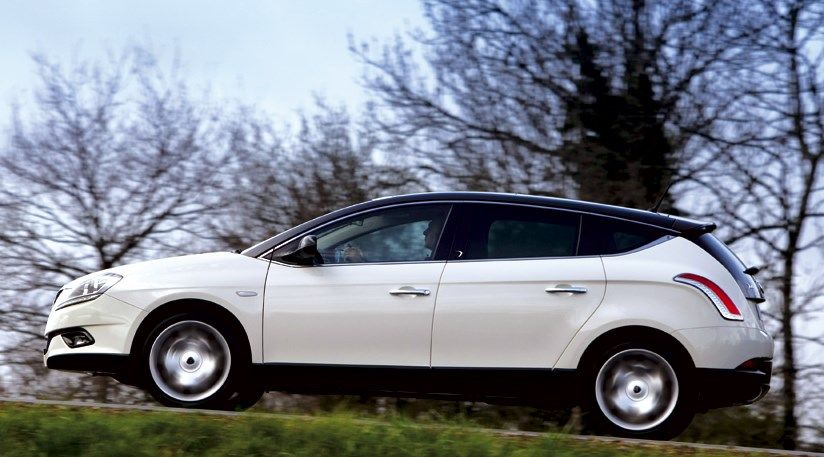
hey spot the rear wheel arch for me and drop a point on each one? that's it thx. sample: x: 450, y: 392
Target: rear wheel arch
x: 637, y: 334
x: 646, y: 343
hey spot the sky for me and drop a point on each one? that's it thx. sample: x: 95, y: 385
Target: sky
x: 276, y: 54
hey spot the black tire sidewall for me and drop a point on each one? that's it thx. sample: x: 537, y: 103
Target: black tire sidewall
x: 673, y: 425
x: 244, y: 398
x: 237, y: 368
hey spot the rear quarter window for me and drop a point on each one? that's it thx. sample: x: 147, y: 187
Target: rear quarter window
x: 602, y: 235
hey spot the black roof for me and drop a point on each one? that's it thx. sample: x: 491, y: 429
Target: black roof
x: 678, y: 225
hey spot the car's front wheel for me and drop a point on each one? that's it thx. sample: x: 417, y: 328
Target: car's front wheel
x: 637, y: 390
x: 245, y: 398
x: 194, y: 362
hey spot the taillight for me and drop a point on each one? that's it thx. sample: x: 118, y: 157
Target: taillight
x: 723, y: 303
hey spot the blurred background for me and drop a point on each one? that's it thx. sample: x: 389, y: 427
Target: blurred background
x: 138, y: 130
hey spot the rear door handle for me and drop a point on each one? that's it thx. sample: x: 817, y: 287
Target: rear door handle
x: 407, y: 290
x: 566, y: 289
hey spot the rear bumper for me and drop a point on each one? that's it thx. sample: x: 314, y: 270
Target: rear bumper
x: 725, y: 347
x: 719, y: 388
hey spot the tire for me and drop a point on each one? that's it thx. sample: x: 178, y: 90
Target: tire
x: 639, y: 390
x: 195, y: 361
x: 244, y: 399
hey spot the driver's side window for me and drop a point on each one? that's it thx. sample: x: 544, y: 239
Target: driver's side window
x: 402, y: 234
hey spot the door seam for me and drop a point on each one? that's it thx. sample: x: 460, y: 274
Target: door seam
x: 594, y: 310
x: 434, y: 308
x: 263, y: 313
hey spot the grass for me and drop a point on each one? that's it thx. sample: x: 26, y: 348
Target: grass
x: 28, y: 430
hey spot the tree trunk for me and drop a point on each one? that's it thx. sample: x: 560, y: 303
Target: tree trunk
x: 788, y: 369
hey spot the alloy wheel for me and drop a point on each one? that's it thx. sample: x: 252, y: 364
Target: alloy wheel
x: 636, y: 389
x: 190, y: 361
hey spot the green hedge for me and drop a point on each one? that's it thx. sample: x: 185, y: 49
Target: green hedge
x: 59, y: 431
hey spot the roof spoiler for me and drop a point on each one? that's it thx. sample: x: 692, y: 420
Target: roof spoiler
x: 692, y: 229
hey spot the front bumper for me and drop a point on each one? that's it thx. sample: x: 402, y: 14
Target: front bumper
x: 110, y: 322
x: 107, y: 364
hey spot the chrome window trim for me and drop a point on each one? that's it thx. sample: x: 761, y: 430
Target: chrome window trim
x: 329, y: 265
x: 672, y: 233
x: 640, y: 248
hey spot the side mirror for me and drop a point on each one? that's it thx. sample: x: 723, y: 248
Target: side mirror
x: 305, y: 252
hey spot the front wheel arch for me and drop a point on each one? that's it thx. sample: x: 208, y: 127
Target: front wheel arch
x: 193, y: 306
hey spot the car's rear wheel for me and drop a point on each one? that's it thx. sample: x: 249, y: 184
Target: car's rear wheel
x: 640, y: 391
x: 194, y: 362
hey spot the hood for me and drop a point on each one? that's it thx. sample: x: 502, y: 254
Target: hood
x: 214, y: 277
x: 170, y: 267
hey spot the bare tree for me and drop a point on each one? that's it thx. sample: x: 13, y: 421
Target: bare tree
x: 598, y: 100
x: 766, y: 183
x: 113, y: 163
x: 281, y: 180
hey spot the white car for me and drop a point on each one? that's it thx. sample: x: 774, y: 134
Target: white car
x: 640, y: 317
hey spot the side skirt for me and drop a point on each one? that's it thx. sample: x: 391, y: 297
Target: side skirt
x: 525, y: 386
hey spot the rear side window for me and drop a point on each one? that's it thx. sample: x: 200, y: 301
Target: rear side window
x: 605, y: 235
x: 514, y: 232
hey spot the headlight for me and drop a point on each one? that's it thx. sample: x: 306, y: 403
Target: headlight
x: 86, y: 290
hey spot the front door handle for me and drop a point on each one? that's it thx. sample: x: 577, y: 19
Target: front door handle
x: 566, y: 289
x: 406, y: 290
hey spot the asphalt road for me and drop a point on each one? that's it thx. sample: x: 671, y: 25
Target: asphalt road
x: 649, y: 443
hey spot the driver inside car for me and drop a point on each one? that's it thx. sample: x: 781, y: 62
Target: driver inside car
x: 353, y: 254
